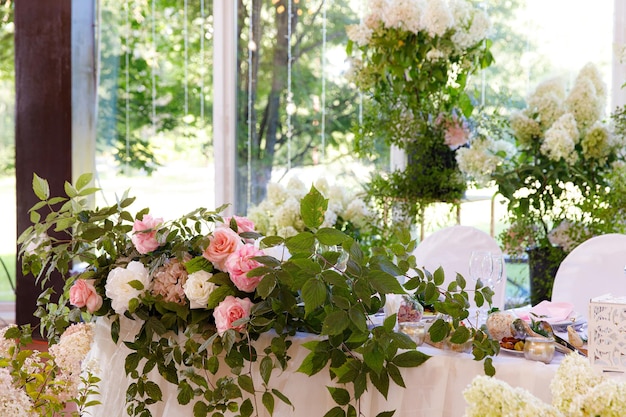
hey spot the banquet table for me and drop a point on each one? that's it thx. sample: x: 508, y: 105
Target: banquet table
x: 432, y: 389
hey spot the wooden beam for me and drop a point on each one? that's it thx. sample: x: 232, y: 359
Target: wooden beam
x: 43, y: 117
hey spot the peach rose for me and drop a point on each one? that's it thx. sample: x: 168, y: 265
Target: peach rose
x: 83, y: 294
x: 240, y: 263
x: 229, y: 311
x: 243, y: 223
x: 222, y: 243
x: 145, y: 230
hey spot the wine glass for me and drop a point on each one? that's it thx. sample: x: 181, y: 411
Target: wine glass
x: 498, y: 273
x: 481, y: 268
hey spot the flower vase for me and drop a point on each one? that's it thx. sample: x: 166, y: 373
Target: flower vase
x: 543, y: 262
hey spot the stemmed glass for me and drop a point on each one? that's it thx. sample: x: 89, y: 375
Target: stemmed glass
x: 481, y: 267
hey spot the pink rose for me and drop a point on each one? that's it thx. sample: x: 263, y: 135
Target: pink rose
x: 222, y: 243
x: 243, y: 224
x: 145, y: 230
x: 229, y: 311
x: 240, y: 263
x: 84, y: 294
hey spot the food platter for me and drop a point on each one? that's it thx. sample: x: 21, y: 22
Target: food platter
x: 512, y: 351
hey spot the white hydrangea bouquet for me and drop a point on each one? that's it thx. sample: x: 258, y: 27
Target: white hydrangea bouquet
x: 34, y: 383
x: 279, y: 214
x: 577, y: 389
x: 562, y: 167
x: 413, y: 59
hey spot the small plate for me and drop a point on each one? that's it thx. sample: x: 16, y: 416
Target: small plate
x: 512, y: 351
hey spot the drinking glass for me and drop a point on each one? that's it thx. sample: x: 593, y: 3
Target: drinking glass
x: 481, y: 268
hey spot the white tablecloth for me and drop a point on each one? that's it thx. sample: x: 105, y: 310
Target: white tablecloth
x: 433, y: 389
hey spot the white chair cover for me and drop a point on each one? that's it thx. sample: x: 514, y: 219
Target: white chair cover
x: 451, y: 248
x: 594, y: 268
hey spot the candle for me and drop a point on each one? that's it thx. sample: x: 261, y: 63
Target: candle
x: 414, y: 329
x: 539, y: 349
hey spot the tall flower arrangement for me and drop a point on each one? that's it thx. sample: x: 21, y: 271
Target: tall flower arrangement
x: 559, y: 181
x: 561, y: 173
x: 203, y: 288
x: 413, y: 59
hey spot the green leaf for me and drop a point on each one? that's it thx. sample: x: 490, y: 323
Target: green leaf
x: 395, y: 375
x: 266, y: 285
x: 246, y: 409
x: 245, y: 383
x: 199, y: 263
x: 313, y: 294
x: 41, y: 187
x: 136, y: 284
x: 153, y: 390
x: 410, y: 359
x: 313, y: 363
x: 312, y: 208
x: 488, y: 367
x: 340, y: 395
x: 281, y: 397
x: 330, y: 236
x: 83, y: 180
x: 386, y: 414
x: 302, y: 242
x: 265, y: 368
x: 439, y: 276
x: 268, y: 402
x: 381, y: 382
x: 385, y: 283
x: 335, y: 412
x: 374, y: 356
x: 335, y: 323
x: 200, y: 409
x: 70, y: 190
x: 64, y: 223
x: 439, y: 330
x: 460, y: 335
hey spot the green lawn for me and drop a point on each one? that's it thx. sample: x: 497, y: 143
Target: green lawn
x: 6, y: 291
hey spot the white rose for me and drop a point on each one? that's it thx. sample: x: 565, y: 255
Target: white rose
x: 198, y: 288
x: 119, y: 290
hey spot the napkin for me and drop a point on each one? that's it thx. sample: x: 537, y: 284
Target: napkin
x: 554, y: 312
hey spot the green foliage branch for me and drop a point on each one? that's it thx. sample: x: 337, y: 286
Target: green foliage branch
x: 309, y: 292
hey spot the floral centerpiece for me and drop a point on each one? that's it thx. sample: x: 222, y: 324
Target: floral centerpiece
x: 558, y: 181
x: 54, y: 383
x: 577, y: 390
x: 203, y: 289
x: 414, y: 59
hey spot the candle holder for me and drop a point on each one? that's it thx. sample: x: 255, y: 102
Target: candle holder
x: 539, y: 349
x: 415, y: 330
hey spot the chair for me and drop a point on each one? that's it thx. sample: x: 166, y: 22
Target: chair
x: 594, y: 268
x: 451, y: 248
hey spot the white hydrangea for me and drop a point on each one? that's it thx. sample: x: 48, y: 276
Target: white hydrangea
x: 549, y: 107
x: 297, y: 188
x: 479, y: 161
x: 608, y: 398
x: 560, y: 140
x: 551, y: 86
x: 321, y: 184
x: 361, y: 34
x: 6, y: 344
x: 526, y: 129
x: 597, y: 143
x: 276, y: 193
x: 470, y: 31
x: 287, y: 213
x: 583, y: 102
x: 402, y: 14
x: 330, y: 218
x: 574, y: 377
x: 437, y: 18
x: 489, y: 397
x: 435, y: 55
x: 287, y: 231
x: 592, y: 73
x: 14, y: 402
x: 358, y: 213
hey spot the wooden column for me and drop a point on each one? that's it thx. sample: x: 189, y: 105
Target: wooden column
x: 43, y: 116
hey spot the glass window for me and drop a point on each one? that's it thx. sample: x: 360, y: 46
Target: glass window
x: 154, y: 104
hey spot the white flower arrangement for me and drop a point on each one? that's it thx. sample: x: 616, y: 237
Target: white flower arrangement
x: 279, y: 213
x: 34, y: 383
x: 577, y: 390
